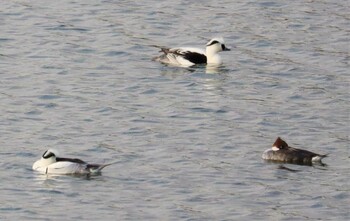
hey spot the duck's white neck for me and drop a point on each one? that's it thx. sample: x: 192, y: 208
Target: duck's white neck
x: 212, y: 56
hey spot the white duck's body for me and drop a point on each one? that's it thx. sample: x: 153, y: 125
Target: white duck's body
x: 51, y: 164
x: 188, y: 56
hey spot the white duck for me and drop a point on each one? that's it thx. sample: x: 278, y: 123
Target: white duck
x: 187, y: 56
x: 51, y: 164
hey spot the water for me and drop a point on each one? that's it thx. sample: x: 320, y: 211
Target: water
x: 77, y: 76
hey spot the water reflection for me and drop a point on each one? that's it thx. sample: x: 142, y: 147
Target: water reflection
x: 212, y: 69
x: 175, y: 70
x: 282, y: 167
x: 48, y: 178
x: 313, y: 164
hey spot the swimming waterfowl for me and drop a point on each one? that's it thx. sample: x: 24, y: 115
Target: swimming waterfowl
x: 187, y: 56
x: 51, y: 164
x: 282, y: 152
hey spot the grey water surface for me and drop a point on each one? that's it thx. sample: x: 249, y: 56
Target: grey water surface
x: 78, y: 76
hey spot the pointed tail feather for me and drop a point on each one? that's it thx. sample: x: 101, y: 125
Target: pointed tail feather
x: 96, y: 168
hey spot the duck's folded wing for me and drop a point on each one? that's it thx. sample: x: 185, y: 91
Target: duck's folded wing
x: 185, y: 56
x: 66, y: 167
x: 177, y: 59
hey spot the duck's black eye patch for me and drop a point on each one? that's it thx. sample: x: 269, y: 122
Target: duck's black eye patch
x: 223, y: 47
x: 213, y: 42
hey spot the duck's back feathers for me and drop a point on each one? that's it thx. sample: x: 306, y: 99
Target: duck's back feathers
x: 182, y: 56
x: 75, y: 160
x: 297, y: 156
x: 68, y: 167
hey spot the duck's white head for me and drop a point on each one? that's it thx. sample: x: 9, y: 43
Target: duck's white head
x: 216, y: 45
x: 48, y: 157
x: 50, y: 154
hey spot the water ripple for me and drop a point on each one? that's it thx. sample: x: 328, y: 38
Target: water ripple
x: 78, y: 76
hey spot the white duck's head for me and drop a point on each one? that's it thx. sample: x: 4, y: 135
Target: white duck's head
x: 48, y: 157
x: 214, y: 46
x: 50, y: 154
